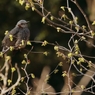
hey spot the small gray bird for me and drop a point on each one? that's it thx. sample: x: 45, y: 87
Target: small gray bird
x: 17, y: 37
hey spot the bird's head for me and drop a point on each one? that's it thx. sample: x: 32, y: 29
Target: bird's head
x: 22, y: 23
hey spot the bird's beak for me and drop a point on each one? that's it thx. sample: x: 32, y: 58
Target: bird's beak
x: 27, y: 22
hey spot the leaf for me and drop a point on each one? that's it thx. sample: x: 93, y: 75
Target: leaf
x: 13, y: 91
x: 76, y: 19
x: 22, y: 79
x: 64, y: 73
x: 93, y: 23
x: 9, y: 82
x: 44, y: 43
x: 81, y: 59
x: 60, y: 64
x: 63, y: 8
x: 64, y: 16
x: 92, y: 33
x: 27, y: 6
x: 70, y: 22
x: 29, y: 43
x: 32, y: 75
x: 11, y: 37
x: 82, y: 87
x: 45, y: 53
x: 33, y: 8
x: 69, y: 9
x: 1, y: 54
x: 21, y: 2
x: 84, y: 27
x: 11, y: 48
x: 43, y: 20
x: 77, y: 28
x: 22, y: 43
x: 55, y: 71
x: 58, y: 29
x: 70, y: 55
x: 76, y: 41
x: 23, y: 62
x: 83, y: 38
x: 51, y: 17
x: 56, y: 48
x: 6, y: 32
x: 13, y: 69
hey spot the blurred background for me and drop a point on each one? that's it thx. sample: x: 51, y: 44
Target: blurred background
x: 11, y: 12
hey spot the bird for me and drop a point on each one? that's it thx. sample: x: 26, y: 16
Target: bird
x: 17, y: 37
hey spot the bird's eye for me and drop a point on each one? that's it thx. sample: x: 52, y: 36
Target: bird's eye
x: 22, y: 23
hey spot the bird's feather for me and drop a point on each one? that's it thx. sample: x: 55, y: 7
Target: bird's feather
x: 19, y: 34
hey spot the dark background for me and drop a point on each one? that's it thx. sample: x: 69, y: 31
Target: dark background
x: 11, y: 12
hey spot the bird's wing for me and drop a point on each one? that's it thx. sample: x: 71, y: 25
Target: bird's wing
x: 14, y: 31
x: 6, y: 42
x: 22, y: 37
